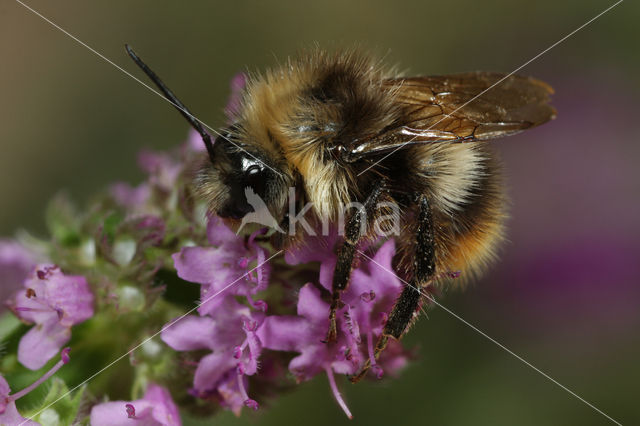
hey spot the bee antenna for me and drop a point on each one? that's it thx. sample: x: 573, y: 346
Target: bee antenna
x: 173, y: 99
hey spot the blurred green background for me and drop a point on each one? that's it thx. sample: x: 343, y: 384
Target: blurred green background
x: 566, y: 293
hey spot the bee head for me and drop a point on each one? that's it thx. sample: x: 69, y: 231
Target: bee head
x: 240, y: 179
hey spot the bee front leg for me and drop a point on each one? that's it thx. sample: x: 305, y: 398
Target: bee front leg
x: 355, y: 229
x: 404, y: 310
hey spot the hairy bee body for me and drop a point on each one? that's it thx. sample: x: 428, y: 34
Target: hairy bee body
x: 469, y: 207
x: 296, y: 118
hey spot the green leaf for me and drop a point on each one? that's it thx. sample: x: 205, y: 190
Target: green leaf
x: 8, y: 324
x: 111, y: 224
x: 64, y: 406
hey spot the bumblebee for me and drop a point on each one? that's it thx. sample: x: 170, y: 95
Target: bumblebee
x: 338, y: 128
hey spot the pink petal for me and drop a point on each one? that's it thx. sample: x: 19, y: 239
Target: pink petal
x: 11, y: 416
x: 312, y: 307
x: 310, y: 362
x: 312, y: 249
x: 194, y: 264
x: 211, y: 369
x: 71, y: 295
x: 190, y: 333
x: 220, y: 234
x: 231, y: 394
x: 165, y: 411
x: 15, y: 264
x: 327, y: 269
x: 42, y: 343
x: 162, y: 169
x: 5, y: 390
x: 255, y: 349
x: 114, y: 413
x: 128, y: 196
x: 34, y: 309
x: 155, y: 409
x: 285, y: 333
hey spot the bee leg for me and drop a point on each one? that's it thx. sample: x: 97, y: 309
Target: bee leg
x: 404, y: 310
x: 355, y: 229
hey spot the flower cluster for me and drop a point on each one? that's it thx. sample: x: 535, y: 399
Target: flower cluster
x: 122, y: 271
x: 236, y: 326
x: 367, y: 301
x: 225, y: 326
x: 54, y: 302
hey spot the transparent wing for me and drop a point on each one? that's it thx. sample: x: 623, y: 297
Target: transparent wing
x: 464, y: 107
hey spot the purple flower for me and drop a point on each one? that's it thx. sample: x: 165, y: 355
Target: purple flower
x: 226, y: 327
x: 54, y: 302
x: 225, y: 268
x: 9, y: 414
x: 360, y: 321
x: 234, y: 326
x: 370, y: 296
x: 130, y: 197
x: 163, y: 170
x: 156, y: 408
x: 231, y: 336
x: 15, y: 264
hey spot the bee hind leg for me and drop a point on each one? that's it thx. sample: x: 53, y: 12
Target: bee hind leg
x: 404, y: 310
x: 355, y: 230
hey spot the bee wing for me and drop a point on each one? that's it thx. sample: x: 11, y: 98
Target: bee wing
x: 464, y: 107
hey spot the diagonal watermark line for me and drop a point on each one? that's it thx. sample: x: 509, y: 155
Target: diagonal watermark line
x: 500, y: 345
x: 497, y: 82
x: 100, y: 55
x: 166, y: 326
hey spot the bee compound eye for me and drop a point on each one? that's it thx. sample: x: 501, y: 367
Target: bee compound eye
x: 253, y: 170
x: 256, y: 179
